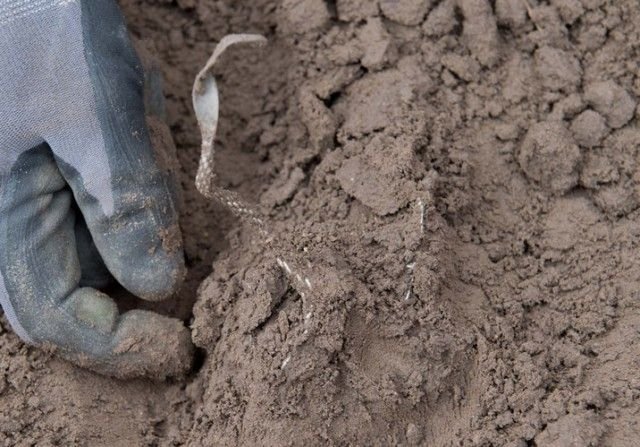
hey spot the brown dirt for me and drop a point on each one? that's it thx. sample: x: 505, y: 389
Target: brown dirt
x: 457, y: 179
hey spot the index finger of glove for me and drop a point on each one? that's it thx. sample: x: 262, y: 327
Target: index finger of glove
x: 111, y: 165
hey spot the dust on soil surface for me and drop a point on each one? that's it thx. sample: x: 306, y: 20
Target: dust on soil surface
x: 458, y: 181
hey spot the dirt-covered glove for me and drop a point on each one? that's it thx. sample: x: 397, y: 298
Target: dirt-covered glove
x: 75, y: 148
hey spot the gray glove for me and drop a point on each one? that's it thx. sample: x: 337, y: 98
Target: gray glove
x: 75, y: 148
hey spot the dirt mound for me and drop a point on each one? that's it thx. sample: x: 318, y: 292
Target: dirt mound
x: 456, y: 181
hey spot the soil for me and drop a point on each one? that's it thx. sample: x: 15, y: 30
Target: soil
x: 456, y: 184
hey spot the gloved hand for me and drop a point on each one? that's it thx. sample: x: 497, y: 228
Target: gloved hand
x: 75, y: 148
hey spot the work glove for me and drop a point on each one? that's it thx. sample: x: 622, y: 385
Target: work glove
x: 81, y: 188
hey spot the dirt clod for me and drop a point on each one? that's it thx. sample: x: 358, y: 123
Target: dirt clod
x: 589, y: 128
x: 550, y: 157
x: 305, y: 15
x: 612, y: 101
x: 480, y: 31
x: 406, y: 12
x: 511, y: 13
x: 556, y: 69
x: 377, y: 46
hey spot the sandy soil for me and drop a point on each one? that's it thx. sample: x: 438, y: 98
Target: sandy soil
x: 458, y: 182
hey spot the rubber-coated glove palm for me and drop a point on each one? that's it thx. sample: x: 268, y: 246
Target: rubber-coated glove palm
x: 73, y: 132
